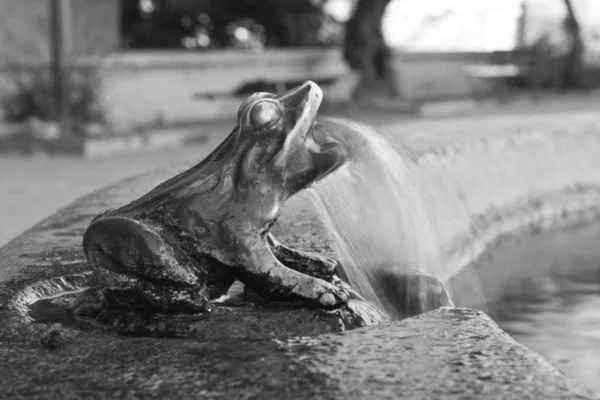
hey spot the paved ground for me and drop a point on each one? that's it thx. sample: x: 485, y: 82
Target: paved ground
x: 33, y: 188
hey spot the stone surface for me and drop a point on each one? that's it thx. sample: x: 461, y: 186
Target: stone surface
x: 451, y: 353
x: 454, y: 353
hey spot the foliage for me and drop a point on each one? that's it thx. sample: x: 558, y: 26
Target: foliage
x: 32, y: 96
x: 248, y: 24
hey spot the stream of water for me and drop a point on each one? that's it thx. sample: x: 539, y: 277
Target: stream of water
x: 373, y: 212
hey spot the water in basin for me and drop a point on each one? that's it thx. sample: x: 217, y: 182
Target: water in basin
x: 544, y: 290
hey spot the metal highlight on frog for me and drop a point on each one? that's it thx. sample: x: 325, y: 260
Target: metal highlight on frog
x: 187, y: 240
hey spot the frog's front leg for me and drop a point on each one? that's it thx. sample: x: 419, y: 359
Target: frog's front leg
x: 265, y: 275
x: 304, y: 262
x: 136, y: 268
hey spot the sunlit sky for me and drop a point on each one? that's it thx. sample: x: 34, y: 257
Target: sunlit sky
x: 470, y: 24
x: 478, y: 25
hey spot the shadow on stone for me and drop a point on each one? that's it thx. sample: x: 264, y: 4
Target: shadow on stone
x: 242, y: 315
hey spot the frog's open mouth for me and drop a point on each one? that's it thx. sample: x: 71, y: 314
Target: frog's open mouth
x: 306, y: 100
x: 305, y: 156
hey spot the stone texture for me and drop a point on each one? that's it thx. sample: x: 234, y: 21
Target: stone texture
x: 453, y: 353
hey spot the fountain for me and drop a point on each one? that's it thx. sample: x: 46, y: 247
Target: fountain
x: 198, y: 247
x: 298, y: 260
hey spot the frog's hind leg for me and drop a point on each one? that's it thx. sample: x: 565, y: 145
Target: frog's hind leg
x: 312, y: 264
x: 136, y: 268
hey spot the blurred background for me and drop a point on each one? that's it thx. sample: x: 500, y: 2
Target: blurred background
x: 95, y: 91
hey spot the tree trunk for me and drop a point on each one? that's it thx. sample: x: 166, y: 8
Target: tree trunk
x: 365, y: 50
x: 572, y: 74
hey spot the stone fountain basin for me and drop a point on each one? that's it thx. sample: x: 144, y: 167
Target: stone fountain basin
x: 485, y: 178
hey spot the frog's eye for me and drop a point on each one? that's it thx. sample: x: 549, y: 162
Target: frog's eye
x: 264, y: 114
x: 251, y: 99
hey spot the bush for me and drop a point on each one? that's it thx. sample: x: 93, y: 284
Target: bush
x: 32, y: 96
x: 206, y: 24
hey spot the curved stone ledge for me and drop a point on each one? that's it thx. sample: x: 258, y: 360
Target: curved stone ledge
x: 482, y: 178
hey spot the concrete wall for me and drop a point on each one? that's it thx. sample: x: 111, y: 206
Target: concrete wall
x: 146, y: 88
x: 427, y: 76
x: 142, y: 88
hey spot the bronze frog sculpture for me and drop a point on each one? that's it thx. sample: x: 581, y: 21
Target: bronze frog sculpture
x: 186, y: 241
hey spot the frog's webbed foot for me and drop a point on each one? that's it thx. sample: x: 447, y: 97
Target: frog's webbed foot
x: 312, y: 264
x: 272, y: 280
x: 136, y: 268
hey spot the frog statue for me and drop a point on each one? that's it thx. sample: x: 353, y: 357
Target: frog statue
x: 186, y: 241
